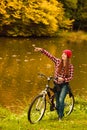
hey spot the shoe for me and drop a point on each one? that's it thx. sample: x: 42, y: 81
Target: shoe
x: 59, y: 118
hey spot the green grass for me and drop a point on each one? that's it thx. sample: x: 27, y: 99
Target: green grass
x: 76, y: 121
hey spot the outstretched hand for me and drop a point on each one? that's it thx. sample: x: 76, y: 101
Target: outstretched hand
x: 37, y: 49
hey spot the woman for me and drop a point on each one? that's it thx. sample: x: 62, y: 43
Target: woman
x: 62, y: 75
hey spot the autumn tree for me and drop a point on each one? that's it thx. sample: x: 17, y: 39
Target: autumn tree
x: 81, y: 15
x: 70, y: 7
x: 32, y: 18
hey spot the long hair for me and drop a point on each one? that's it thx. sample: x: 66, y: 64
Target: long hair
x: 66, y: 68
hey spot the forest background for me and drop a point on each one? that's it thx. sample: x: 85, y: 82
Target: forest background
x: 27, y: 18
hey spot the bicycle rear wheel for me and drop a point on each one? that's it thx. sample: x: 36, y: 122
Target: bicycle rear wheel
x: 68, y: 105
x: 37, y: 109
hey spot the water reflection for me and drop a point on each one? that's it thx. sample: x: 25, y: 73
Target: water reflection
x: 19, y: 65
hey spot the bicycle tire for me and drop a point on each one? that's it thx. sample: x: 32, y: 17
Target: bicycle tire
x: 37, y: 109
x: 68, y: 105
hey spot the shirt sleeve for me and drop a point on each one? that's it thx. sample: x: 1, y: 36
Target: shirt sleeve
x: 71, y: 71
x: 53, y: 58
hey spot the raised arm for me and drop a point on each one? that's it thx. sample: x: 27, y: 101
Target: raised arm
x: 53, y: 58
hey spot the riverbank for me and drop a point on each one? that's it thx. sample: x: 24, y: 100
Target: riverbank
x: 74, y: 37
x: 76, y: 121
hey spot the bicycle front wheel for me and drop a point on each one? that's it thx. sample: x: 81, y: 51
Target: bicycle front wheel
x: 37, y: 109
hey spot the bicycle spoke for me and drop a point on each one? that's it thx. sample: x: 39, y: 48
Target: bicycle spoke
x: 68, y: 105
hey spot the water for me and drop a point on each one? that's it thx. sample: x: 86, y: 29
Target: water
x: 19, y: 67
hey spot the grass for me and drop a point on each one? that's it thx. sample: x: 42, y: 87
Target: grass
x: 76, y: 121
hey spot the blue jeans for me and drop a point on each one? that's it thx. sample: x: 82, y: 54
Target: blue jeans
x: 60, y: 94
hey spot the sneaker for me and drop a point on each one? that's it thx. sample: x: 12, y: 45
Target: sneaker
x: 59, y: 118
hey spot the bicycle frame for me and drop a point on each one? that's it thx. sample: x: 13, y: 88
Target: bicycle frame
x: 48, y: 89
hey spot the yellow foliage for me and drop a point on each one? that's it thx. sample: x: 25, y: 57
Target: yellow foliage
x: 47, y: 17
x: 45, y: 12
x: 2, y: 8
x: 15, y: 8
x: 67, y: 23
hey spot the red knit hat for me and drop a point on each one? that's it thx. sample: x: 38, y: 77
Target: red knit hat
x: 68, y: 53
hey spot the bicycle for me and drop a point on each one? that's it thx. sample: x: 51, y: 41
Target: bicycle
x: 38, y: 106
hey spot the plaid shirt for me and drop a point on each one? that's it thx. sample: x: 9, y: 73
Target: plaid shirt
x: 57, y: 62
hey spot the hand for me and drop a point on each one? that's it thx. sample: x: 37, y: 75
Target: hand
x: 37, y: 49
x: 60, y: 79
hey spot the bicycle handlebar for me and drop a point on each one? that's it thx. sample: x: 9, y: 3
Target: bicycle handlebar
x: 43, y: 75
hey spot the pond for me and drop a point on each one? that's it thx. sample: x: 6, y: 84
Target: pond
x: 19, y: 67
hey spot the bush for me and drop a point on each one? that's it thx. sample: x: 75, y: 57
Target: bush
x: 32, y: 18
